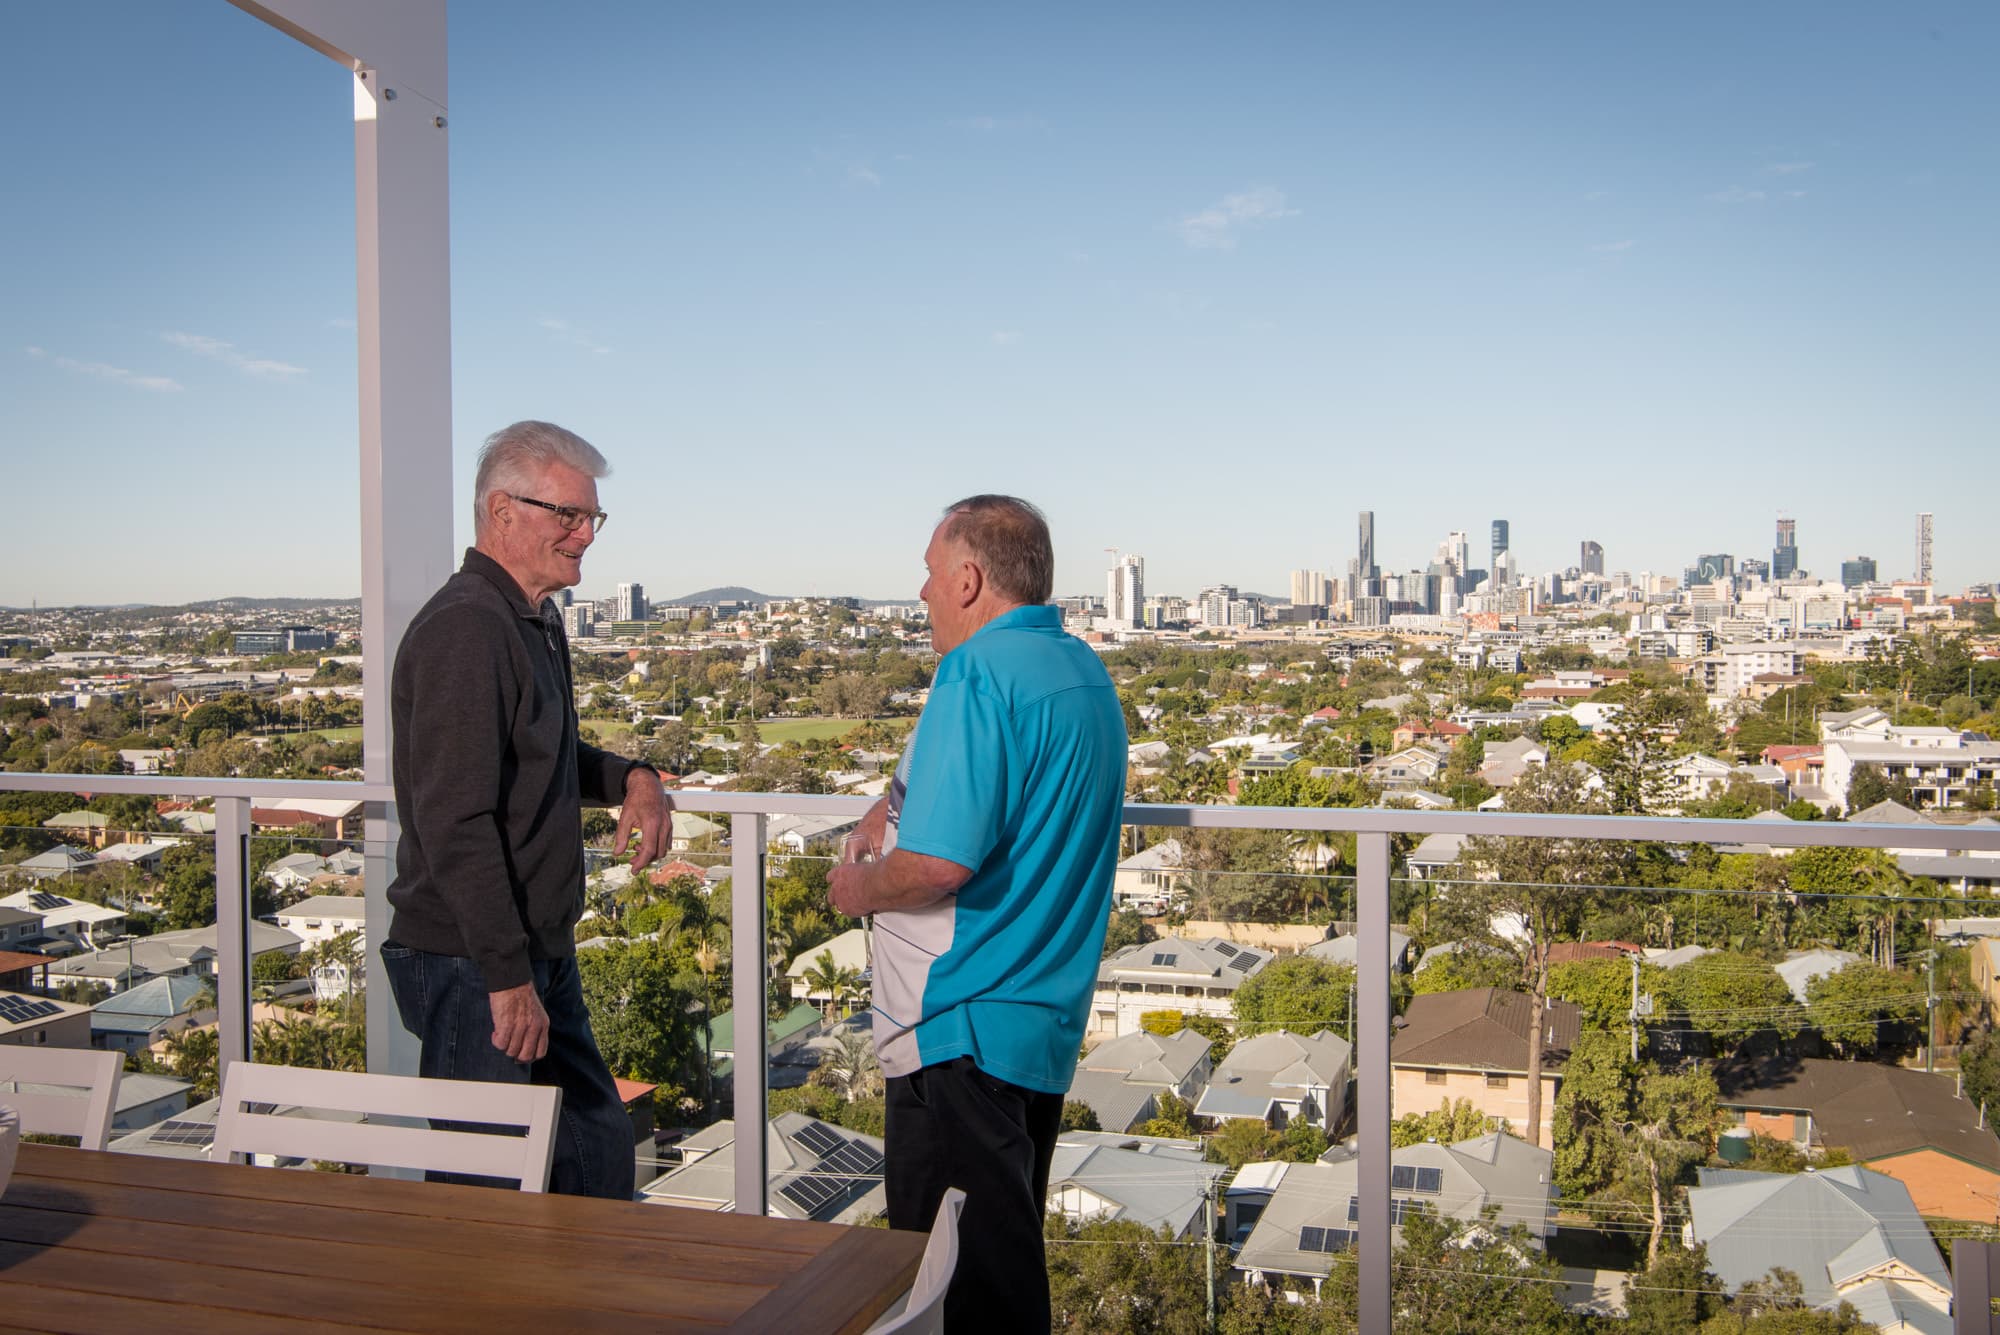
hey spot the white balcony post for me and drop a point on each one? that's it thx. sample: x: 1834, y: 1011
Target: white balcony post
x: 396, y: 49
x: 746, y: 949
x: 232, y: 931
x: 1372, y: 1096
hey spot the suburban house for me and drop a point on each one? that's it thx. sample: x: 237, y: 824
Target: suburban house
x: 786, y: 1039
x: 1154, y: 1187
x: 145, y: 1099
x: 31, y: 1021
x: 145, y: 1014
x: 797, y: 834
x: 1298, y: 1215
x: 1347, y: 950
x: 320, y: 919
x: 1473, y: 1044
x: 849, y: 951
x: 1942, y: 765
x: 310, y: 818
x: 1122, y: 1078
x: 68, y: 920
x: 1916, y: 1128
x: 1198, y: 977
x: 1281, y: 1077
x: 816, y: 1171
x: 1849, y: 1234
x: 1800, y: 967
x: 1435, y: 857
x: 18, y: 927
x: 1150, y: 880
x: 92, y: 828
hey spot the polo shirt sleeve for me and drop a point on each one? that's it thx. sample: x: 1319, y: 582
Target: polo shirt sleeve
x: 956, y: 805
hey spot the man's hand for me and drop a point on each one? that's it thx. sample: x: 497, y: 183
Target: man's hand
x: 844, y: 888
x: 520, y: 1025
x: 648, y: 807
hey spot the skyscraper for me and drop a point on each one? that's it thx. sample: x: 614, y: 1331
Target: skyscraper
x: 1785, y: 555
x: 1861, y: 570
x: 1369, y: 571
x: 1499, y: 541
x: 631, y: 602
x: 1309, y: 588
x: 1125, y: 592
x: 1592, y: 562
x: 1924, y: 547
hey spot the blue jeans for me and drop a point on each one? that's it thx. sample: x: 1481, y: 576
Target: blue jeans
x: 443, y: 1001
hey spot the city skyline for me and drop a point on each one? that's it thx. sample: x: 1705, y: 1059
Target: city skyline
x: 1200, y: 288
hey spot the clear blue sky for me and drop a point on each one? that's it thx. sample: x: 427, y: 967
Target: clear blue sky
x: 1202, y: 280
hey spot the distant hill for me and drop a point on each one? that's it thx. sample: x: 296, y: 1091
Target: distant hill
x: 727, y: 593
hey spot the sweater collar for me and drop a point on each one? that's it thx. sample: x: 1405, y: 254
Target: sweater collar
x: 480, y: 564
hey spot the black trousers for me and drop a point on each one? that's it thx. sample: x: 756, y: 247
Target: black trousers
x: 952, y: 1125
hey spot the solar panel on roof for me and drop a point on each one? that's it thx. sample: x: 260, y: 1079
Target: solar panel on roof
x: 20, y: 1010
x: 817, y: 1138
x: 1244, y: 962
x: 1430, y: 1180
x: 42, y: 899
x: 178, y: 1132
x: 1353, y: 1208
x: 1225, y: 948
x: 1402, y: 1177
x: 1312, y: 1239
x: 1165, y: 959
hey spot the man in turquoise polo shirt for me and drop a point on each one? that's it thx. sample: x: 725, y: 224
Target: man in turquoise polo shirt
x: 990, y: 903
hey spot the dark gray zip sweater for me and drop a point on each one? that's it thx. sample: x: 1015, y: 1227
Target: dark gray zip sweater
x: 491, y: 779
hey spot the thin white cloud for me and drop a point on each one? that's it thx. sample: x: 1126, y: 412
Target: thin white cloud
x: 1788, y: 168
x: 229, y: 355
x: 159, y: 384
x: 1736, y: 194
x: 1614, y: 247
x: 860, y: 173
x: 1006, y: 338
x: 576, y: 338
x: 1218, y: 226
x: 998, y: 124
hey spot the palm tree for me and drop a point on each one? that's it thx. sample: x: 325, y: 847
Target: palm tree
x: 849, y: 1067
x: 196, y: 1054
x: 836, y: 980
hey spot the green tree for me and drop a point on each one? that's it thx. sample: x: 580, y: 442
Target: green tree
x: 1979, y: 1064
x: 849, y: 1067
x: 1446, y: 1280
x: 1127, y: 929
x: 1548, y: 885
x: 1862, y: 1006
x: 1457, y: 1120
x: 187, y: 889
x: 1114, y: 1277
x: 1729, y: 997
x: 1079, y: 1116
x: 1301, y: 993
x: 1673, y: 1294
x: 196, y: 1055
x: 1172, y: 1119
x: 641, y: 1022
x: 1241, y: 1140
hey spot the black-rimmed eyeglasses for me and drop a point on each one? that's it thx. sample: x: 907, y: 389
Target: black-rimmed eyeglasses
x: 569, y: 516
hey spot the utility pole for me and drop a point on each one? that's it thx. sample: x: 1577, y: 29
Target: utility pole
x: 1930, y: 1009
x: 1208, y: 1228
x: 1635, y: 1008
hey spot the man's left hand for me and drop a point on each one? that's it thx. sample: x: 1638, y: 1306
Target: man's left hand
x: 844, y: 888
x: 648, y: 807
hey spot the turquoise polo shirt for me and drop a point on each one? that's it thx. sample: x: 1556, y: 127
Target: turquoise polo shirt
x: 1017, y: 771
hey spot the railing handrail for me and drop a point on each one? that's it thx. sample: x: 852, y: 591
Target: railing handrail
x: 195, y: 785
x: 1399, y: 820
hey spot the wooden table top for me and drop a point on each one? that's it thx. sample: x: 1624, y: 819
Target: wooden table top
x: 121, y: 1242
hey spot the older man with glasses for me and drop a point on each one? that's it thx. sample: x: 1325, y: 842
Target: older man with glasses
x: 490, y: 780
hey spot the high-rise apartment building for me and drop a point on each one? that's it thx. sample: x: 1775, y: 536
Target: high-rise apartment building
x: 580, y: 620
x: 631, y: 602
x: 1309, y: 588
x: 1125, y: 592
x: 1785, y: 555
x: 1499, y: 541
x: 1924, y: 547
x: 1592, y: 558
x: 1859, y: 571
x: 1369, y: 571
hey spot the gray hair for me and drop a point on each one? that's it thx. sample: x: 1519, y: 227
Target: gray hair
x: 1009, y: 538
x: 514, y: 454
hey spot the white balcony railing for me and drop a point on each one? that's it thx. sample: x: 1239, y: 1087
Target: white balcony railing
x: 750, y: 812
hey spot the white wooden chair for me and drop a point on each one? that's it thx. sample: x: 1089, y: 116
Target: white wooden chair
x: 249, y: 1121
x: 923, y: 1309
x: 86, y: 1113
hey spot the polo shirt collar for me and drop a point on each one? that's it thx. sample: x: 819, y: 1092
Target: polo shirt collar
x: 480, y: 564
x: 1042, y: 616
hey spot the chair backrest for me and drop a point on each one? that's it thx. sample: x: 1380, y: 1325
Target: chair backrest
x: 261, y: 1105
x: 88, y: 1081
x: 923, y: 1311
